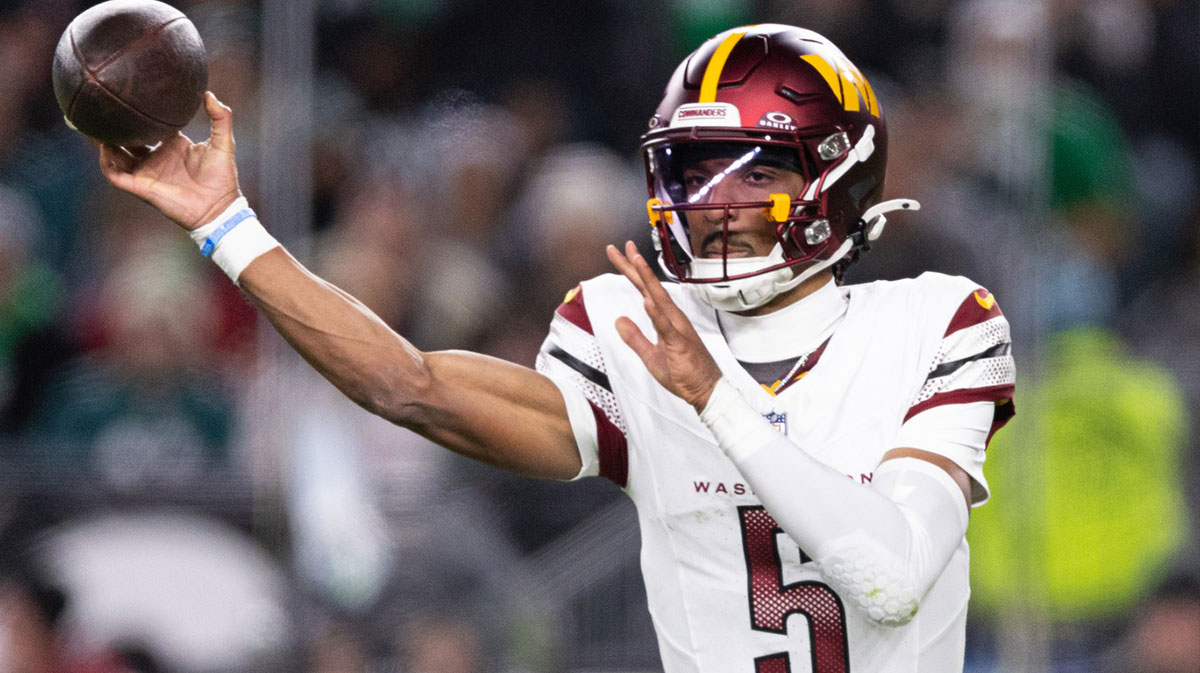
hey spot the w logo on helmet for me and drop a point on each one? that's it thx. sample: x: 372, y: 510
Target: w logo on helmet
x: 847, y: 83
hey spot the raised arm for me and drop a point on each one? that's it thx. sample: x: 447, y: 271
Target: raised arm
x: 481, y: 407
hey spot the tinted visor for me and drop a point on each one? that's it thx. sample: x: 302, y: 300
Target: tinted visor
x: 726, y: 172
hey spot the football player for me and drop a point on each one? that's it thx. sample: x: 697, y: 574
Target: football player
x: 803, y: 454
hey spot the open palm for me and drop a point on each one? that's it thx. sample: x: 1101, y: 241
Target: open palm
x: 191, y: 183
x: 679, y: 360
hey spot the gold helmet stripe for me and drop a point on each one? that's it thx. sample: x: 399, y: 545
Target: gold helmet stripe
x: 712, y: 74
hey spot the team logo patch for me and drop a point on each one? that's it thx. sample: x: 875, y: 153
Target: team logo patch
x: 779, y: 420
x: 706, y: 114
x: 778, y: 120
x: 985, y: 299
x: 847, y: 83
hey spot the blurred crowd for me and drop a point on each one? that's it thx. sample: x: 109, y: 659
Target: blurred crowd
x: 178, y: 494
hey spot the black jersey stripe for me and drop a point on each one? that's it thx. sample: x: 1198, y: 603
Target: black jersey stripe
x: 587, y: 371
x: 954, y: 365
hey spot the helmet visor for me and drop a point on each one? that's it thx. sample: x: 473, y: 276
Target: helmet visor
x: 711, y: 178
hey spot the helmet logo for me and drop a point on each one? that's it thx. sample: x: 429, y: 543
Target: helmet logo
x: 846, y: 82
x: 778, y: 120
x: 706, y: 114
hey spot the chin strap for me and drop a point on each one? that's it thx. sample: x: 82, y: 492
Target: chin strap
x: 752, y: 292
x: 873, y: 219
x: 870, y: 228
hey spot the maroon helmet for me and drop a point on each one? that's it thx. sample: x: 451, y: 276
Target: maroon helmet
x: 770, y: 96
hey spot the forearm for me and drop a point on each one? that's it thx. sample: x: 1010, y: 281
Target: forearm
x: 338, y: 335
x: 481, y: 407
x: 478, y: 406
x: 882, y: 545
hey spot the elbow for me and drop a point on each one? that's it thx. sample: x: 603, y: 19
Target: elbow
x: 893, y: 605
x: 397, y: 396
x: 388, y: 404
x: 874, y: 584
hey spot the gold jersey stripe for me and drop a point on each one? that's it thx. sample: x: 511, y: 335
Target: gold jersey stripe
x: 712, y: 74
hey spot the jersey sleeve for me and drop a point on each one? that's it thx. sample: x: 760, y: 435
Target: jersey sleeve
x: 968, y: 391
x: 572, y: 358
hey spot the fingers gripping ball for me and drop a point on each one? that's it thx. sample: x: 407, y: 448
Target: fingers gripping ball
x: 130, y: 72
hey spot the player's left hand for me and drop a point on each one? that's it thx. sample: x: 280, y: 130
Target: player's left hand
x: 679, y: 361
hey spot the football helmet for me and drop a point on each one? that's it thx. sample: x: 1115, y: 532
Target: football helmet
x: 800, y: 140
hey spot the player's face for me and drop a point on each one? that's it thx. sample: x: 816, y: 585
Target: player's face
x: 727, y: 180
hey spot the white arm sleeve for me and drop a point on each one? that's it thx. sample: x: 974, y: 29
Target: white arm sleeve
x: 880, y: 546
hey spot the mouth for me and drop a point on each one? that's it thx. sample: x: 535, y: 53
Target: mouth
x: 712, y: 247
x: 715, y: 253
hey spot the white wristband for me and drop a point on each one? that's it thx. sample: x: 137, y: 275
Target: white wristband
x: 739, y: 429
x: 234, y: 238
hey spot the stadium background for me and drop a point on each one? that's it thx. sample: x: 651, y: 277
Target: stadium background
x: 179, y: 493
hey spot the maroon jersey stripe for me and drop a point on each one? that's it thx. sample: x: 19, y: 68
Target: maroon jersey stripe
x: 815, y: 357
x: 810, y: 361
x: 574, y: 311
x: 978, y: 307
x: 986, y: 394
x: 1002, y: 395
x: 614, y: 452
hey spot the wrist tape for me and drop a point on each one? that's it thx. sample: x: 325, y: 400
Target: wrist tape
x: 739, y: 429
x: 234, y: 238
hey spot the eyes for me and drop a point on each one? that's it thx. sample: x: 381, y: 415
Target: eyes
x: 759, y: 178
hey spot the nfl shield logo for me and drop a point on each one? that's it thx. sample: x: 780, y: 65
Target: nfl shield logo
x: 779, y: 420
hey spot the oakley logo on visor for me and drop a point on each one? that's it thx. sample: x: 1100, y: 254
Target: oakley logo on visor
x: 706, y: 114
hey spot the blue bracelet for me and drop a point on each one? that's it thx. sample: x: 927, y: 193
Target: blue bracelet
x: 210, y: 243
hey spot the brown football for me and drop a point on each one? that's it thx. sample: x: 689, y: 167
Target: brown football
x: 130, y: 72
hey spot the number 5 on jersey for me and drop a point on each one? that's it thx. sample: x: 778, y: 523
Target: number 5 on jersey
x: 772, y: 602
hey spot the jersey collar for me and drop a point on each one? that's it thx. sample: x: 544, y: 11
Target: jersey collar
x: 789, y: 332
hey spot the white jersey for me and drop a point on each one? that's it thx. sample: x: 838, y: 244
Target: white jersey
x: 728, y: 591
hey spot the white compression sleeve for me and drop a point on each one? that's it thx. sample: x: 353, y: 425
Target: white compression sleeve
x: 880, y: 546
